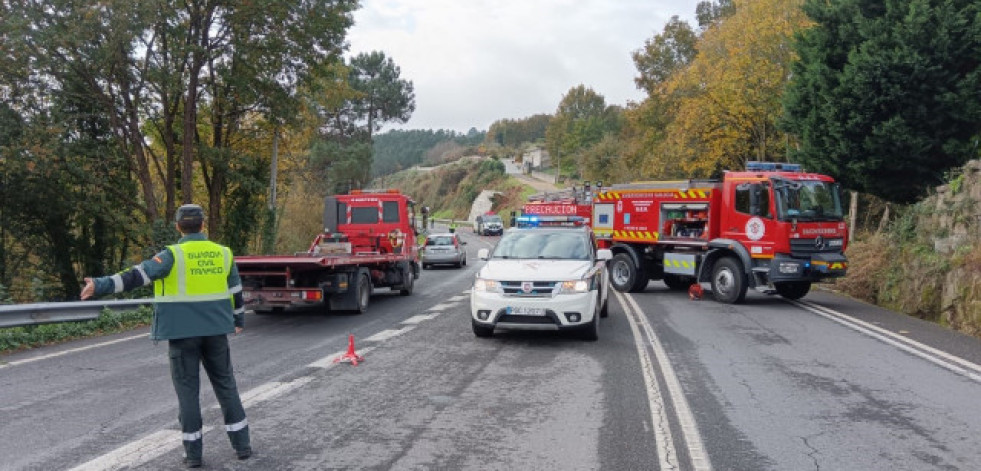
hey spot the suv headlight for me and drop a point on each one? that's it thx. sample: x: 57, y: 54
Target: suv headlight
x: 488, y: 286
x: 573, y: 287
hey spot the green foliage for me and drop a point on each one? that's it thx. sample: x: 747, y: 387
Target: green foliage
x: 885, y: 95
x: 514, y: 133
x: 580, y: 122
x: 381, y: 95
x: 17, y: 338
x: 398, y: 150
x: 665, y: 54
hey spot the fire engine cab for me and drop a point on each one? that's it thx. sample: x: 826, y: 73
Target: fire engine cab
x: 773, y: 227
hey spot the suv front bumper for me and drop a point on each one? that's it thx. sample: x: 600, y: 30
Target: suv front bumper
x: 560, y: 312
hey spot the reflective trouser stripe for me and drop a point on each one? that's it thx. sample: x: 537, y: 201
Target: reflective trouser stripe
x: 190, y: 437
x: 237, y: 426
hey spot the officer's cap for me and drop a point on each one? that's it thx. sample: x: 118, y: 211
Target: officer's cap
x: 190, y: 213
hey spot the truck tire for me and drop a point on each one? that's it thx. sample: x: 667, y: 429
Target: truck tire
x: 364, y: 294
x: 408, y: 281
x: 729, y: 282
x: 625, y: 276
x: 793, y: 290
x: 480, y: 330
x: 677, y: 282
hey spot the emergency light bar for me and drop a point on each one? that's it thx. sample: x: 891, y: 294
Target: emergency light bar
x: 549, y: 221
x: 754, y: 166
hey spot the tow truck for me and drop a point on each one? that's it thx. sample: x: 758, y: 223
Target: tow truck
x: 368, y: 242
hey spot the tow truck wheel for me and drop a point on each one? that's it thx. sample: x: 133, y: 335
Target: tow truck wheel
x: 364, y: 293
x: 729, y: 281
x: 625, y: 276
x: 677, y: 282
x: 793, y: 290
x: 407, y: 281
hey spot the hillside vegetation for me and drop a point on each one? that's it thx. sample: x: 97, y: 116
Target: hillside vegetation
x: 927, y: 263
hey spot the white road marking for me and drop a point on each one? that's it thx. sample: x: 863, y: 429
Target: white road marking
x: 137, y: 453
x: 388, y: 334
x: 442, y: 307
x: 943, y: 359
x: 420, y: 318
x: 270, y: 390
x: 459, y: 297
x: 689, y: 429
x: 73, y: 350
x: 663, y: 440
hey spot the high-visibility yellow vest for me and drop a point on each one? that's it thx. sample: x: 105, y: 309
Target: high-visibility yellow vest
x: 200, y: 273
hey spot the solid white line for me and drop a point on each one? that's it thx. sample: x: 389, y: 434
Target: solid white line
x: 926, y: 352
x: 420, y: 318
x: 388, y: 334
x: 689, y: 428
x: 666, y: 453
x: 137, y: 453
x: 74, y: 350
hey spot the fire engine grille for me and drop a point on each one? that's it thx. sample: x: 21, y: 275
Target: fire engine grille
x: 810, y: 246
x: 538, y: 289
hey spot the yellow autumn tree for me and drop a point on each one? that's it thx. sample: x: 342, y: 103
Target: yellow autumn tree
x: 728, y: 100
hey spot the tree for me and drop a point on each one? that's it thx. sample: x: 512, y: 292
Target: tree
x: 581, y: 121
x: 382, y: 96
x: 708, y: 13
x: 885, y: 94
x: 664, y: 54
x: 726, y: 104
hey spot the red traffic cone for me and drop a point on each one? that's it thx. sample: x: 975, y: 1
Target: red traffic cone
x: 695, y: 292
x: 351, y: 356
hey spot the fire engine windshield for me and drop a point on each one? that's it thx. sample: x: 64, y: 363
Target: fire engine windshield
x: 807, y: 200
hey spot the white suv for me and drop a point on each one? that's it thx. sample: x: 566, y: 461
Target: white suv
x: 541, y: 278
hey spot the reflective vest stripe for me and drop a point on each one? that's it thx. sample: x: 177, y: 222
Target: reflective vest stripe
x: 237, y: 426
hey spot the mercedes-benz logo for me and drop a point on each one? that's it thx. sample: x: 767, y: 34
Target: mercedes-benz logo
x: 819, y: 243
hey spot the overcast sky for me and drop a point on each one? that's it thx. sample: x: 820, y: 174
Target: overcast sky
x: 473, y: 62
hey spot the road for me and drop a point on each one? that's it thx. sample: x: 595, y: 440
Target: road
x: 671, y: 384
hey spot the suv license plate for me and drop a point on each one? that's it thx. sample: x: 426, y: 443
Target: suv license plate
x: 527, y: 311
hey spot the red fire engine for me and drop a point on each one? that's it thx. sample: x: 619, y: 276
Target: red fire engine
x: 772, y: 227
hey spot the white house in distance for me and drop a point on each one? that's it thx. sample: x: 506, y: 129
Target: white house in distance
x: 536, y: 157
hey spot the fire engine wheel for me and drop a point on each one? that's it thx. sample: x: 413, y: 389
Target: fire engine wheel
x: 793, y: 290
x: 729, y: 282
x: 677, y: 282
x: 625, y: 276
x: 364, y: 293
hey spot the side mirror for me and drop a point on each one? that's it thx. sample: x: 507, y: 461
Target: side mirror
x: 604, y: 254
x: 483, y: 254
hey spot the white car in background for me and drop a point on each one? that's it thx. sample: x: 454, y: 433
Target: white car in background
x: 541, y: 277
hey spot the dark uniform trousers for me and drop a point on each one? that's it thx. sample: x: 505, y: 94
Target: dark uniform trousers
x: 185, y: 357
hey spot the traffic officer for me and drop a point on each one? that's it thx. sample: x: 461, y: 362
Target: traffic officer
x: 197, y: 303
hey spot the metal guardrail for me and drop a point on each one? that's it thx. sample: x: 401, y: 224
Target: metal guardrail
x: 17, y: 315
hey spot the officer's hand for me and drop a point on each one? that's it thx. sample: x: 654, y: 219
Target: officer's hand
x: 89, y: 289
x: 238, y: 330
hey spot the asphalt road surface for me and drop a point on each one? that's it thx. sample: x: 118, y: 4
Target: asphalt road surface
x: 826, y: 384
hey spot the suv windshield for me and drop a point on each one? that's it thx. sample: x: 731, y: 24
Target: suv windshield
x: 807, y: 200
x: 543, y: 245
x: 492, y: 219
